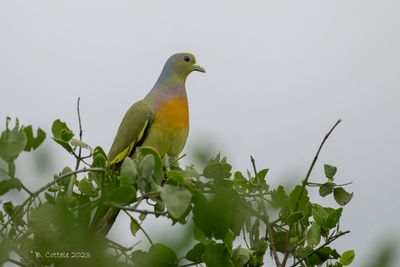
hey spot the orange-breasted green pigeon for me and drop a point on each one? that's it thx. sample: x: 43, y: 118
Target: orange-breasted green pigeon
x: 160, y: 120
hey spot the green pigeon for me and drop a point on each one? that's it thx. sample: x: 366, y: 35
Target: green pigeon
x: 160, y: 120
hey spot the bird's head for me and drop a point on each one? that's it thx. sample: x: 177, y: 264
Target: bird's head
x: 182, y: 64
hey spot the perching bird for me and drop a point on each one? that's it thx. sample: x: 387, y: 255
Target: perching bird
x: 160, y: 120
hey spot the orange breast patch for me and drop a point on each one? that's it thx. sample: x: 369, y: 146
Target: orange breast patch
x: 174, y: 112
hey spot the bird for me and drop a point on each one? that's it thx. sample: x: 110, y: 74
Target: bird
x: 160, y: 120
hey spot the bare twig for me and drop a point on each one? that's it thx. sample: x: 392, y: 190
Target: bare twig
x: 312, y: 184
x: 330, y: 240
x: 305, y: 181
x: 79, y: 158
x: 253, y: 162
x: 26, y: 189
x: 138, y: 210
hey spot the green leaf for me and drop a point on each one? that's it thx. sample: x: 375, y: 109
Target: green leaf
x: 135, y: 226
x: 162, y: 256
x: 240, y: 182
x: 33, y: 142
x: 228, y: 239
x: 5, y: 249
x: 4, y: 170
x: 8, y: 207
x: 99, y: 161
x: 12, y: 142
x: 320, y: 215
x: 217, y: 255
x: 62, y: 134
x: 279, y: 197
x: 128, y: 171
x: 9, y: 184
x: 334, y: 218
x: 147, y: 166
x: 124, y: 194
x: 314, y: 235
x: 217, y: 170
x: 75, y: 142
x: 319, y: 256
x: 65, y: 181
x: 281, y: 244
x: 196, y: 253
x: 142, y: 216
x: 177, y: 199
x: 87, y: 188
x: 295, y: 201
x: 11, y: 168
x: 176, y: 176
x: 157, y: 166
x: 261, y: 174
x: 294, y: 217
x: 242, y: 256
x: 49, y: 198
x: 326, y: 189
x: 330, y: 171
x: 341, y: 196
x: 347, y: 257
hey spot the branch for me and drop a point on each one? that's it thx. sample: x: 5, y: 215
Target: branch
x: 266, y: 220
x: 305, y: 181
x: 79, y: 158
x: 141, y: 228
x: 138, y: 210
x: 253, y: 162
x: 43, y: 188
x: 333, y: 238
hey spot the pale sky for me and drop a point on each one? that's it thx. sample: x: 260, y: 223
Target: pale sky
x: 279, y: 74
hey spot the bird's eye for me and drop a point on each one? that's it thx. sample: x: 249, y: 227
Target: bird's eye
x: 186, y: 58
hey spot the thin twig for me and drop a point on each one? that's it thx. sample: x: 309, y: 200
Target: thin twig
x: 305, y: 181
x: 120, y: 248
x: 138, y: 210
x: 253, y: 162
x: 176, y: 160
x: 79, y: 158
x: 26, y: 189
x: 140, y: 226
x: 320, y: 247
x: 312, y: 184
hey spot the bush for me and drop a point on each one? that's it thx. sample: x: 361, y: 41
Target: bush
x: 237, y: 217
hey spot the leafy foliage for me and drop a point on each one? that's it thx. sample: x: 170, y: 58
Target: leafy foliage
x: 237, y: 217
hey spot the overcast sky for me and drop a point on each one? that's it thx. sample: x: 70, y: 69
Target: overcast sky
x: 279, y: 74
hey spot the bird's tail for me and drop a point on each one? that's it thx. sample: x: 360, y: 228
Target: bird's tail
x: 104, y: 219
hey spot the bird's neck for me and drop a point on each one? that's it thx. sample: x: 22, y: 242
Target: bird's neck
x: 165, y: 90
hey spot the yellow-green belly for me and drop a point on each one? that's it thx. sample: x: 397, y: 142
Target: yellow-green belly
x: 170, y: 127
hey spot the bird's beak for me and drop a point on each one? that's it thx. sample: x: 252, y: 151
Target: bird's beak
x: 198, y: 68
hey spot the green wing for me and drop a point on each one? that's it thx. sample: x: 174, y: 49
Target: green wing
x: 131, y: 132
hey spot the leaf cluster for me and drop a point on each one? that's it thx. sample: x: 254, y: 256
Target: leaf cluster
x: 237, y: 217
